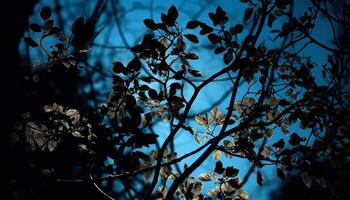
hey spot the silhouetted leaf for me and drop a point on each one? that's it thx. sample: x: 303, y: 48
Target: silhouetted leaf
x: 219, y: 17
x: 134, y: 65
x: 248, y: 13
x: 78, y: 25
x: 205, y: 29
x: 219, y: 167
x: 153, y: 94
x: 45, y: 13
x: 193, y: 24
x: 192, y: 56
x: 219, y: 50
x: 213, y: 38
x: 294, y: 139
x: 172, y: 13
x: 195, y: 73
x: 236, y: 29
x: 35, y: 27
x: 118, y: 67
x: 192, y: 38
x: 231, y: 172
x: 149, y: 23
x: 228, y: 56
x: 30, y: 42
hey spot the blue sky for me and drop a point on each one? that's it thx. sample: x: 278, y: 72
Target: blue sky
x: 209, y: 63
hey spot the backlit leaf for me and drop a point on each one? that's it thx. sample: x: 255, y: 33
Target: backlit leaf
x: 217, y: 154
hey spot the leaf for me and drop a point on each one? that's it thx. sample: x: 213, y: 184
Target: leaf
x: 279, y: 144
x: 221, y: 15
x: 219, y: 50
x: 259, y: 178
x: 153, y: 94
x: 281, y: 173
x: 78, y: 25
x: 172, y: 13
x: 306, y: 179
x: 73, y: 114
x: 231, y: 172
x: 30, y: 42
x: 200, y: 120
x: 217, y: 154
x: 76, y: 134
x: 192, y: 38
x: 215, y: 112
x: 29, y: 134
x: 248, y: 13
x: 52, y: 144
x: 118, y: 67
x: 193, y: 24
x: 134, y: 65
x: 226, y: 187
x: 294, y: 139
x: 236, y: 29
x: 197, y: 138
x: 197, y: 188
x: 35, y: 27
x: 283, y: 103
x: 219, y: 167
x: 213, y: 38
x: 205, y: 29
x: 192, y: 56
x: 180, y: 44
x: 195, y: 73
x: 204, y: 177
x: 83, y: 147
x: 228, y: 56
x: 149, y: 23
x: 45, y: 13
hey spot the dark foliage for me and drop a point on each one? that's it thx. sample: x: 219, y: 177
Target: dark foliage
x: 294, y: 113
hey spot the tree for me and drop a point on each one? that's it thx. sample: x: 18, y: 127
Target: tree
x: 282, y: 90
